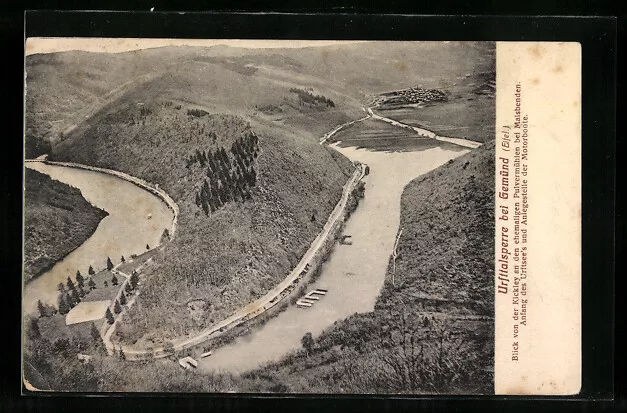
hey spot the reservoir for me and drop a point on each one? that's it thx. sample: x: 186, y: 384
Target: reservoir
x: 125, y: 231
x: 353, y: 274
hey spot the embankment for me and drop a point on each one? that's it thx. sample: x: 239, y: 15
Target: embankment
x: 293, y: 292
x: 432, y: 329
x: 57, y: 220
x: 136, y: 181
x: 312, y: 258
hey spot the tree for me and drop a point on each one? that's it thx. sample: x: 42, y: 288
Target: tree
x: 33, y: 329
x: 95, y: 334
x: 70, y: 285
x: 147, y: 246
x: 134, y: 279
x: 61, y: 346
x: 64, y: 307
x: 61, y: 288
x: 91, y: 284
x: 106, y: 283
x: 307, y: 341
x: 69, y: 299
x: 76, y: 297
x: 81, y: 292
x: 203, y: 203
x: 117, y: 308
x: 109, y: 264
x: 122, y: 355
x: 79, y: 279
x: 123, y: 299
x: 122, y: 259
x: 91, y: 270
x: 41, y: 308
x: 114, y: 280
x: 128, y: 288
x: 109, y: 316
x: 168, y: 348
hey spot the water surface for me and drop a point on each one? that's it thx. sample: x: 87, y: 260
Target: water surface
x: 125, y: 231
x: 353, y: 274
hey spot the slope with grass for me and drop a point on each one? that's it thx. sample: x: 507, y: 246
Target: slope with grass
x: 467, y: 111
x: 57, y: 219
x: 432, y: 328
x: 63, y: 88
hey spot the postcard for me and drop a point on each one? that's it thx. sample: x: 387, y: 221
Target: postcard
x: 272, y: 216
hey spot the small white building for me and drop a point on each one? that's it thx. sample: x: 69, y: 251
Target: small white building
x: 84, y: 358
x: 188, y: 362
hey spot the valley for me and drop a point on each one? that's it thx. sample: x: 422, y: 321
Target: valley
x: 249, y: 147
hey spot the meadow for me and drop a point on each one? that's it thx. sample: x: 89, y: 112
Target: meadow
x: 379, y: 135
x: 468, y: 118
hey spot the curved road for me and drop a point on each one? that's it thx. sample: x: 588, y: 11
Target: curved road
x: 268, y: 301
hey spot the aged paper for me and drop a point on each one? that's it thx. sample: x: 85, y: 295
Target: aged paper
x: 302, y: 216
x: 538, y: 215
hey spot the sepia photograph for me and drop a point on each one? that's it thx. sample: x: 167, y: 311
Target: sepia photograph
x: 260, y: 216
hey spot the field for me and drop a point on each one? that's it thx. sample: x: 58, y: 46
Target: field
x: 469, y: 118
x: 101, y: 292
x: 379, y: 135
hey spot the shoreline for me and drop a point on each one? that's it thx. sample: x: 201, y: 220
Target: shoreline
x: 160, y: 193
x: 271, y: 299
x: 106, y: 329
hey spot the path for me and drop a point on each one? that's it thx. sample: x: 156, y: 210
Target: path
x: 109, y: 329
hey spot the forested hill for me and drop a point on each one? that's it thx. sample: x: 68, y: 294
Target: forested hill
x: 432, y: 330
x: 232, y: 136
x: 247, y: 192
x: 57, y: 219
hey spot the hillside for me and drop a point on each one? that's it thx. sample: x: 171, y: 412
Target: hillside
x: 232, y: 135
x: 57, y: 219
x: 241, y: 227
x: 246, y: 193
x: 460, y: 106
x: 442, y: 339
x: 64, y: 89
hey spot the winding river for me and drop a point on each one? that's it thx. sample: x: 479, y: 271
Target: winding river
x: 353, y: 274
x: 125, y: 231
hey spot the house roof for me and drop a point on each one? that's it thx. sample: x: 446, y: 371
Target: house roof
x: 87, y: 311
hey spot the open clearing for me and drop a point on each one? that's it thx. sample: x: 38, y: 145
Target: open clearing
x: 378, y: 135
x: 460, y: 118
